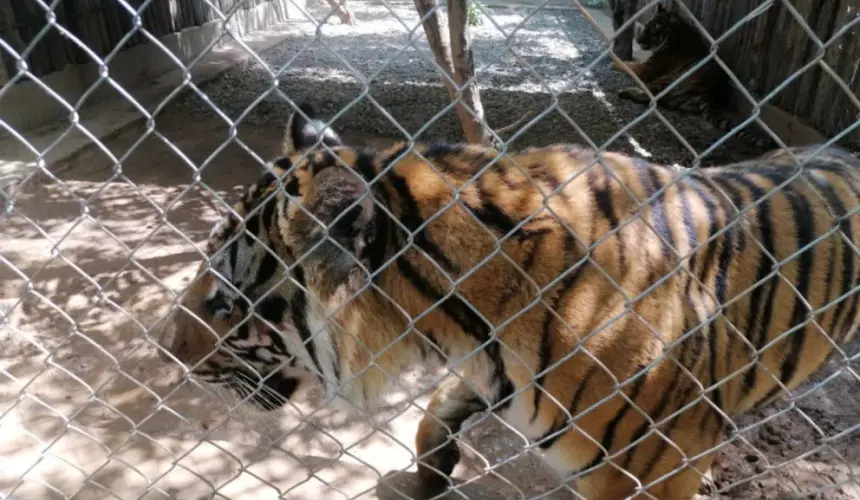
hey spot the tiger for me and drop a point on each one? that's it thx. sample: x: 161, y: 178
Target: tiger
x: 676, y: 46
x: 617, y: 313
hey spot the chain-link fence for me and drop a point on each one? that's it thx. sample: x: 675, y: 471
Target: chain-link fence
x: 97, y: 247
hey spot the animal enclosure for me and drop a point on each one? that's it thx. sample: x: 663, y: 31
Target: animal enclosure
x: 97, y: 247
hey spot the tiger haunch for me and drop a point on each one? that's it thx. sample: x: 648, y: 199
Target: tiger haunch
x: 653, y: 289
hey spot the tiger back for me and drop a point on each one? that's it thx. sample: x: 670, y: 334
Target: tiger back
x: 617, y: 313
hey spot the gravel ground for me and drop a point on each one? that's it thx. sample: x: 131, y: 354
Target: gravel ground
x: 547, y: 52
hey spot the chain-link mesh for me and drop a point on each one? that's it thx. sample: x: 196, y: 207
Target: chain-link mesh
x: 95, y: 254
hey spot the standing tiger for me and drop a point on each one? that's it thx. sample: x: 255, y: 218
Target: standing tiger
x: 621, y: 311
x: 676, y: 47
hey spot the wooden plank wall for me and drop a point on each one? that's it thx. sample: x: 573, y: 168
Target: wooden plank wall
x: 763, y: 52
x: 100, y: 25
x: 774, y: 46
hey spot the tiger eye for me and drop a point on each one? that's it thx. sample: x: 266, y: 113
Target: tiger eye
x: 218, y: 305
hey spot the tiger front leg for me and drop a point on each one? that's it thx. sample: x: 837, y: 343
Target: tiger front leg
x: 655, y: 86
x: 635, y: 94
x: 636, y: 67
x: 438, y: 454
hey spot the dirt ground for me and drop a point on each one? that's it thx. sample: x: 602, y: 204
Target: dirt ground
x: 90, y: 412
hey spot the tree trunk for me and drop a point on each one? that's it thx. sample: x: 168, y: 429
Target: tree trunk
x: 464, y: 72
x: 440, y: 45
x: 342, y: 11
x: 622, y: 45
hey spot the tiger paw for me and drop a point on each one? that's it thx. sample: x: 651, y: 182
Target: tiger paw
x: 628, y: 66
x: 621, y: 66
x: 634, y: 94
x: 434, y: 470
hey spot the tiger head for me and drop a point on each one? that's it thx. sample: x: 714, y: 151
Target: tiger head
x: 242, y: 322
x: 661, y: 30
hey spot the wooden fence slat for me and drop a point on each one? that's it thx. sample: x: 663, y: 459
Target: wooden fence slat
x: 762, y: 53
x: 768, y: 50
x: 98, y: 24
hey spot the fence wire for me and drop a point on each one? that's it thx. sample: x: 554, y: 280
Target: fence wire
x: 90, y: 410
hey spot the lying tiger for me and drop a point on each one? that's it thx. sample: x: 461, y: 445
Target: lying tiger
x: 621, y: 310
x: 677, y: 47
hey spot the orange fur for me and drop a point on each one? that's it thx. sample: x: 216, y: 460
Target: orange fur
x: 613, y: 302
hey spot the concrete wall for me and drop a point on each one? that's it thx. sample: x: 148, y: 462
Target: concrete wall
x: 29, y: 104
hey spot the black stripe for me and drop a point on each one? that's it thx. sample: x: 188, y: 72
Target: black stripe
x: 849, y: 320
x: 707, y: 264
x: 759, y: 310
x: 544, y: 354
x: 411, y: 218
x: 737, y: 199
x: 438, y: 348
x: 721, y: 282
x: 569, y: 276
x: 500, y: 378
x: 602, y: 195
x: 263, y: 182
x: 439, y: 149
x: 269, y: 216
x: 513, y: 289
x: 554, y: 433
x: 283, y: 163
x: 364, y: 164
x: 490, y: 214
x: 805, y: 233
x: 269, y: 263
x: 694, y: 344
x: 292, y: 187
x: 272, y: 309
x: 502, y: 170
x: 848, y: 258
x: 609, y: 433
x: 657, y: 413
x: 713, y: 228
x: 298, y: 314
x: 381, y: 228
x: 233, y: 253
x: 252, y: 227
x: 380, y: 235
x: 545, y: 347
x: 713, y: 331
x: 838, y: 168
x: 735, y: 237
x: 689, y: 225
x: 658, y: 214
x: 472, y: 324
x: 828, y: 290
x: 268, y: 267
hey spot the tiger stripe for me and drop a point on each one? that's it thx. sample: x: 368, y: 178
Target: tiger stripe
x: 616, y: 312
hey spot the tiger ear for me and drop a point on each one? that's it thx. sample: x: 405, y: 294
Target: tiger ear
x: 305, y: 131
x: 344, y: 210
